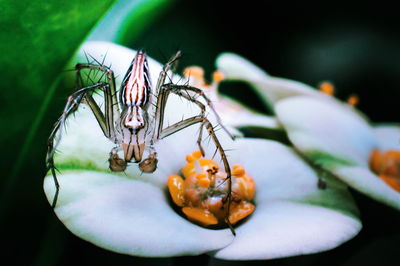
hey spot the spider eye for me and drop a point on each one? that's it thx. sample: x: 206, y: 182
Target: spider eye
x: 136, y: 124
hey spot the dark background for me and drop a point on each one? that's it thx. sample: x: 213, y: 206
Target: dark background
x: 356, y: 47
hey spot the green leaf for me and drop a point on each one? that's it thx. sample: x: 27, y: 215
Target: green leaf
x: 38, y: 38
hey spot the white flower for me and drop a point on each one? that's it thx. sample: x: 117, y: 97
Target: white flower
x: 332, y: 134
x: 130, y: 212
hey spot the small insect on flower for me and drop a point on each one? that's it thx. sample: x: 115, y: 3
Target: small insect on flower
x: 125, y: 120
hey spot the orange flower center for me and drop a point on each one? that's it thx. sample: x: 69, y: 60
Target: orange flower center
x: 202, y: 190
x: 387, y: 166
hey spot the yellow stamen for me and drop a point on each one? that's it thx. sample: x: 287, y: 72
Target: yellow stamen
x: 238, y: 170
x: 392, y: 182
x: 327, y: 88
x: 176, y: 189
x: 387, y: 166
x: 204, y: 182
x: 195, y: 75
x: 240, y: 211
x: 376, y: 161
x: 203, y: 190
x: 197, y: 154
x: 245, y: 187
x: 202, y: 216
x: 353, y: 100
x: 218, y: 76
x: 190, y: 168
x: 190, y: 158
x: 208, y: 164
x: 201, y: 176
x: 194, y: 71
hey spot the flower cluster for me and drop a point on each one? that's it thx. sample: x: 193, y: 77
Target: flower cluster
x: 276, y: 185
x: 333, y: 135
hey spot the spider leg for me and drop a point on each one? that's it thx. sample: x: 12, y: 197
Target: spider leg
x: 112, y: 111
x: 105, y: 121
x: 71, y: 106
x: 206, y: 123
x: 202, y: 114
x: 162, y: 133
x: 163, y: 74
x: 161, y: 99
x: 182, y: 90
x: 162, y: 92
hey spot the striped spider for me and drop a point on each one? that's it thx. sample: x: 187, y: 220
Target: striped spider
x: 126, y: 121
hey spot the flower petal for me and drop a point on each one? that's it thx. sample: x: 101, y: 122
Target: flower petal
x: 128, y: 216
x: 237, y: 67
x: 365, y: 181
x: 83, y: 144
x: 335, y: 137
x: 292, y: 216
x: 236, y: 115
x: 271, y: 89
x: 388, y: 137
x: 92, y: 203
x: 330, y: 129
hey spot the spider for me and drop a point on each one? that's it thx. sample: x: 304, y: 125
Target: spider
x: 126, y: 121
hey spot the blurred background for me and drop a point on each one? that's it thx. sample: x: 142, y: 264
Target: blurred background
x: 355, y: 47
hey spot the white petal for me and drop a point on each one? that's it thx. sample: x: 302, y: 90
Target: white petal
x: 246, y: 119
x: 339, y: 140
x: 292, y: 215
x: 329, y: 128
x: 365, y: 181
x: 83, y: 144
x: 388, y: 137
x: 128, y: 216
x: 271, y: 89
x: 237, y: 67
x: 96, y: 205
x: 237, y: 115
x: 85, y: 196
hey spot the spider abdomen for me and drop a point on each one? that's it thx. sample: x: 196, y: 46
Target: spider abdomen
x: 136, y: 85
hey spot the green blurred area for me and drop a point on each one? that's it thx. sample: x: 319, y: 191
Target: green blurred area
x: 356, y: 48
x: 38, y: 37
